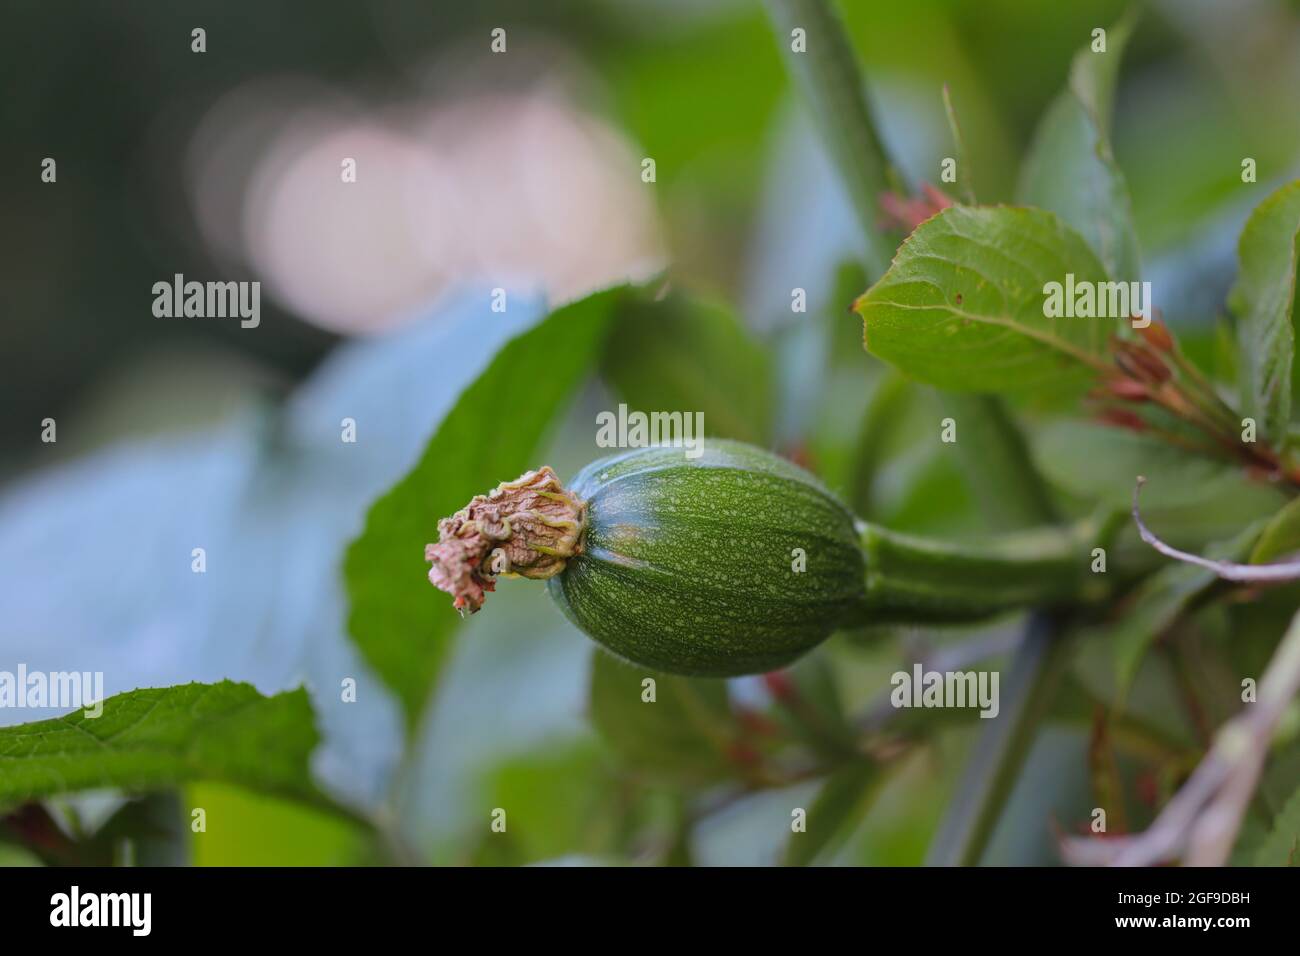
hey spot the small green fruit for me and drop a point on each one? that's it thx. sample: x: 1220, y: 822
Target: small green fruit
x: 734, y: 562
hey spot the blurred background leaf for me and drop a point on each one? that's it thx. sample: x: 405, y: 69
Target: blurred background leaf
x: 243, y: 828
x: 1280, y: 537
x: 681, y: 354
x: 1282, y: 845
x: 1189, y: 498
x: 687, y: 733
x: 272, y: 496
x: 1070, y: 168
x: 1160, y: 600
x: 843, y: 798
x: 1264, y: 301
x: 401, y: 623
x: 995, y: 460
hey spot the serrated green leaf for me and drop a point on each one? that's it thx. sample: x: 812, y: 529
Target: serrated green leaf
x: 962, y: 305
x: 157, y: 737
x: 684, y: 355
x: 1263, y: 301
x: 840, y: 804
x: 1282, y: 845
x: 682, y: 735
x: 401, y: 624
x: 1070, y: 168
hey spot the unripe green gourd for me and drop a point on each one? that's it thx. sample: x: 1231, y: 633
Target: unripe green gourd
x: 733, y: 562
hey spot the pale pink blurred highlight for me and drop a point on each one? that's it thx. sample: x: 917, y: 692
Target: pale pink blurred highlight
x: 521, y: 190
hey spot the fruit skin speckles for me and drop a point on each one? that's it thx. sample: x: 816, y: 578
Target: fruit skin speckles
x: 686, y: 564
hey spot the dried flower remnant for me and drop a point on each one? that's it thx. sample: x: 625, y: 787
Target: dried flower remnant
x: 528, y: 527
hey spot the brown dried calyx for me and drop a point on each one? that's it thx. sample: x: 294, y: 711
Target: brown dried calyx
x: 528, y: 527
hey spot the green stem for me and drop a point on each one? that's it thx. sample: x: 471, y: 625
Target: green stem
x: 828, y: 77
x: 919, y: 581
x: 991, y: 773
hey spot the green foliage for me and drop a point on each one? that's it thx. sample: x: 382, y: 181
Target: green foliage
x: 1147, y: 659
x: 880, y: 425
x: 831, y: 82
x: 723, y: 76
x: 1161, y: 600
x: 812, y: 709
x: 843, y: 799
x: 962, y: 305
x: 1282, y: 845
x: 1264, y: 302
x: 683, y: 354
x: 996, y: 462
x: 401, y: 624
x: 965, y: 178
x: 1071, y: 170
x: 683, y: 734
x: 1197, y: 496
x: 1280, y: 537
x: 253, y: 829
x: 557, y: 803
x: 1097, y: 462
x: 156, y: 738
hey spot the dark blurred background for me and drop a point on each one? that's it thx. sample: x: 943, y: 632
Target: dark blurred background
x: 171, y: 161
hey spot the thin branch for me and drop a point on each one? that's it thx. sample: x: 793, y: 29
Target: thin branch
x: 1228, y: 570
x: 1200, y: 823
